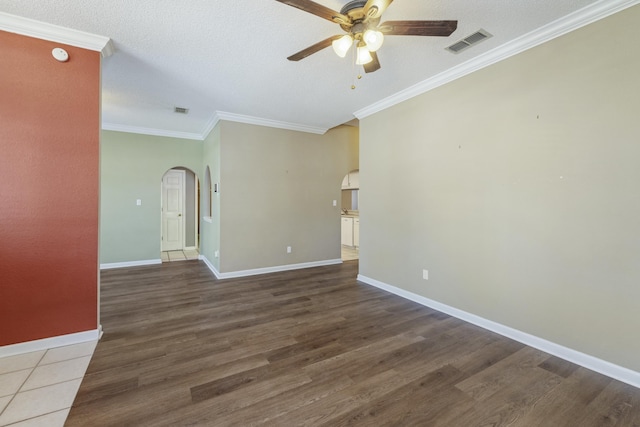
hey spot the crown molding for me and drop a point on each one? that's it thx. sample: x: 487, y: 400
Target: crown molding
x: 42, y: 30
x: 221, y: 115
x: 151, y: 131
x: 571, y: 22
x: 213, y: 121
x: 108, y: 49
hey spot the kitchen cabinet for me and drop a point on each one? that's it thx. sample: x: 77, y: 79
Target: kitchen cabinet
x: 351, y: 181
x: 347, y: 231
x: 350, y: 231
x: 354, y: 180
x: 356, y: 232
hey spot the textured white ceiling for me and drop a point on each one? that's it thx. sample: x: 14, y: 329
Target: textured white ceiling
x: 229, y: 56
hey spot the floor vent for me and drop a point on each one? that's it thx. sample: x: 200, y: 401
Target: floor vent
x: 181, y: 110
x: 469, y: 41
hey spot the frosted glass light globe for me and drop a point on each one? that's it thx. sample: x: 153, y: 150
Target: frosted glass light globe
x: 373, y: 39
x: 342, y: 45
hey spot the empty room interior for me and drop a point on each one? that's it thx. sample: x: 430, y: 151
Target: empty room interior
x: 204, y: 264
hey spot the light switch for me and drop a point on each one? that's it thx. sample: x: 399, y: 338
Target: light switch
x: 139, y: 202
x: 335, y: 203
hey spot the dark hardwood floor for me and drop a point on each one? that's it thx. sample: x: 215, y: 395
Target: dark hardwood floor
x: 315, y: 347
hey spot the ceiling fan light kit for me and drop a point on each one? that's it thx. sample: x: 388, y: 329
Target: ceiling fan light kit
x: 363, y: 56
x: 373, y: 39
x: 360, y: 19
x: 342, y: 45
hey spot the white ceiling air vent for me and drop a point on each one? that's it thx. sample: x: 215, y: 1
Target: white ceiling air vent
x: 181, y: 110
x: 469, y: 41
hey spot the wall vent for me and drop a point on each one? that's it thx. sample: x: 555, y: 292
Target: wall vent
x: 469, y: 41
x: 181, y: 110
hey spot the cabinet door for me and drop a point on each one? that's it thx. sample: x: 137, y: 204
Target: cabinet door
x: 356, y: 231
x: 345, y: 181
x: 347, y: 231
x: 354, y: 179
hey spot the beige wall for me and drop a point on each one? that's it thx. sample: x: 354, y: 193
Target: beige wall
x: 518, y: 188
x: 277, y: 188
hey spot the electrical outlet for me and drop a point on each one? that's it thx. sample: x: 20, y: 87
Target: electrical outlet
x: 425, y: 274
x: 288, y: 249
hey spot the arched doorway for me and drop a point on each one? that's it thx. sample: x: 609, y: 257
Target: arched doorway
x: 350, y: 217
x: 180, y: 213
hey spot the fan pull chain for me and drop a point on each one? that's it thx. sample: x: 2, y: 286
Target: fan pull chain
x: 353, y: 69
x: 359, y: 76
x: 355, y: 74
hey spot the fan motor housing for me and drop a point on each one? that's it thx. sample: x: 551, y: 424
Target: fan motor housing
x: 355, y: 11
x: 355, y: 4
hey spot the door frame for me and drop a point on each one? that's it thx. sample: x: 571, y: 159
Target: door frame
x: 196, y: 199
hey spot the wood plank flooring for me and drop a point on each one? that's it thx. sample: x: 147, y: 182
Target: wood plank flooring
x: 316, y: 348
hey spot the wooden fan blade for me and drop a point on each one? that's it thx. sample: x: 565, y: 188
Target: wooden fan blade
x: 313, y: 49
x: 418, y: 28
x: 374, y: 8
x: 373, y: 65
x: 318, y: 10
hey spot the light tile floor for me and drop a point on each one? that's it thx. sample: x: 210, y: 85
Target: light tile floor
x: 350, y: 252
x: 169, y: 256
x: 38, y: 388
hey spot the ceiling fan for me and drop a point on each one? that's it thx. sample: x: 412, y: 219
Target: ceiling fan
x: 360, y: 19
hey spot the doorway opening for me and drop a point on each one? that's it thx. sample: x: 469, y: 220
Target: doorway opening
x: 350, y: 217
x: 180, y: 215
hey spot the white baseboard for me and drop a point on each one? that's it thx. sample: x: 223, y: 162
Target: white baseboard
x: 211, y: 266
x: 590, y: 362
x: 110, y: 265
x: 266, y: 270
x: 47, y: 343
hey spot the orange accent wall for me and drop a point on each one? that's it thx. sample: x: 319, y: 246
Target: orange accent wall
x: 49, y: 189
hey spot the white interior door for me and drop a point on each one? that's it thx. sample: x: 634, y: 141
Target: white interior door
x: 173, y: 210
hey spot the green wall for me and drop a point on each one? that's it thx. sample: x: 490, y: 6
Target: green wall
x: 210, y: 226
x: 132, y: 167
x: 516, y: 187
